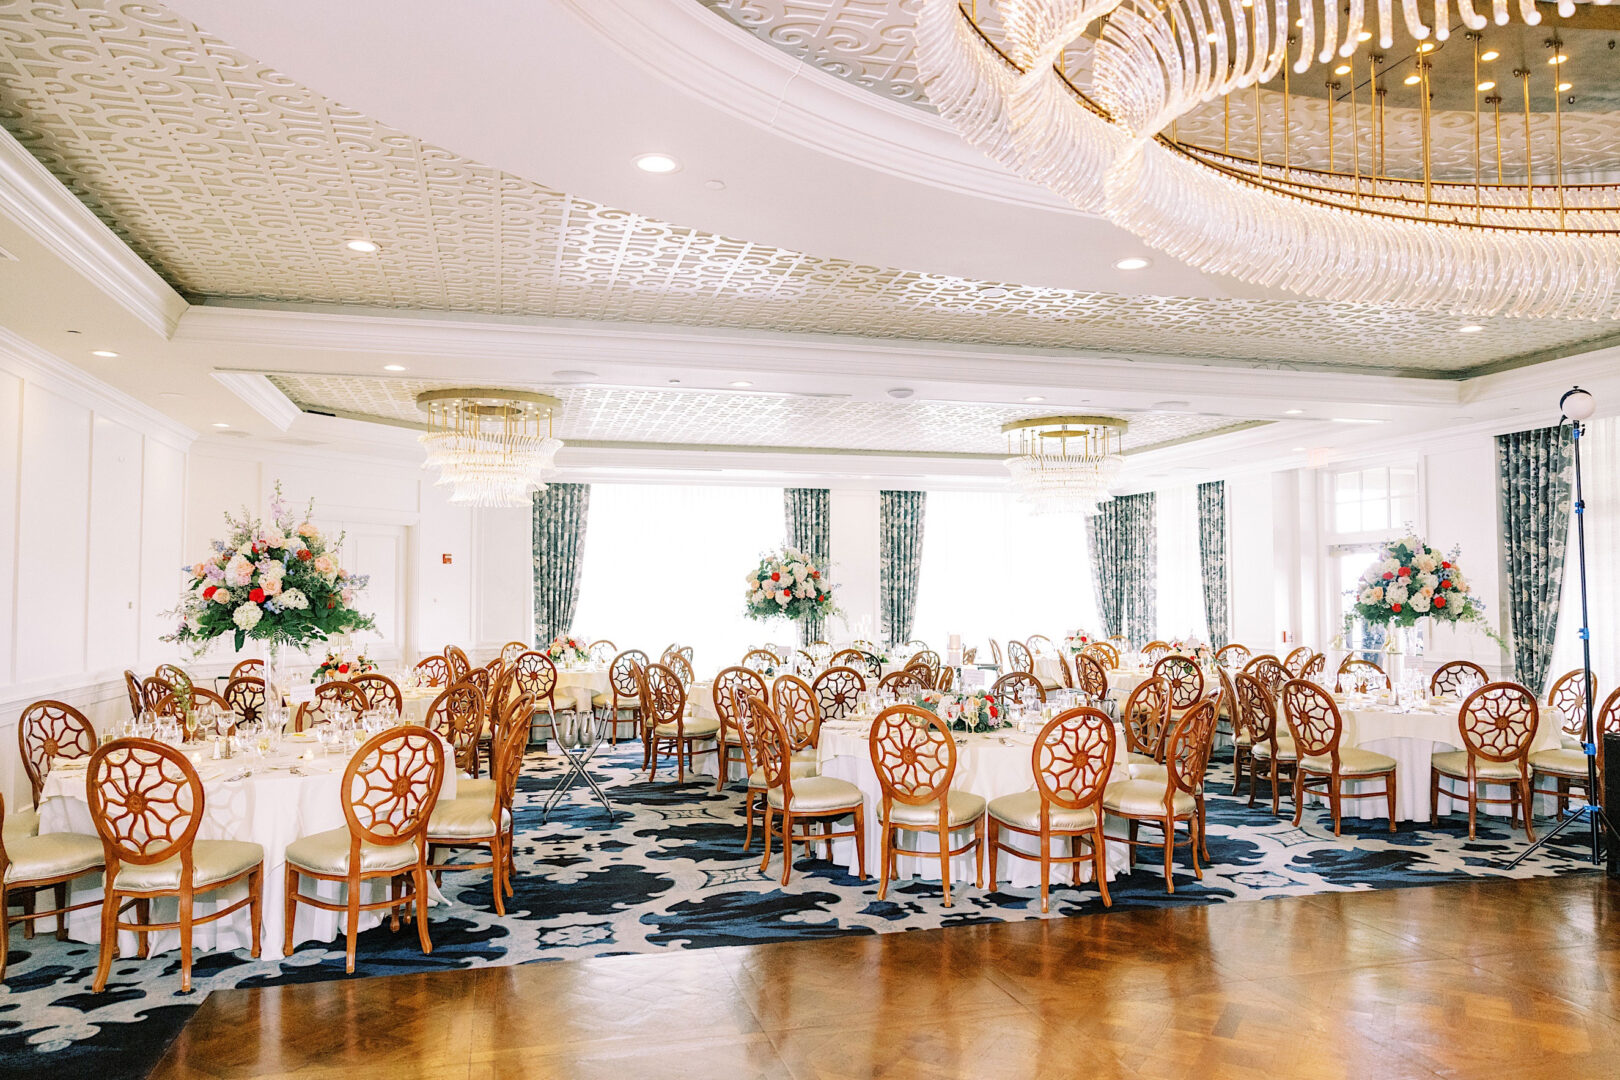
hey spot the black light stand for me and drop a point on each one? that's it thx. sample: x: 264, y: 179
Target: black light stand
x: 1578, y: 406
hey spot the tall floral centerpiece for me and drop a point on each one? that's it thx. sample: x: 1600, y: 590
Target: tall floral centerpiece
x: 1410, y: 581
x: 567, y: 650
x: 279, y: 583
x: 788, y: 584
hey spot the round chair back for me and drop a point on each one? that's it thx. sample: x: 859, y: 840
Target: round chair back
x: 772, y: 751
x: 1014, y: 685
x: 1294, y: 664
x: 458, y: 716
x: 330, y: 697
x: 1313, y: 667
x: 1104, y: 651
x: 176, y: 705
x: 1498, y: 723
x: 1256, y: 712
x: 536, y: 676
x: 512, y: 650
x: 1567, y: 697
x: 622, y: 676
x: 1187, y: 752
x: 1147, y: 717
x: 1154, y: 651
x: 913, y: 754
x: 1073, y: 758
x: 1232, y: 656
x: 1313, y: 719
x: 146, y: 801
x: 837, y: 691
x: 927, y: 657
x: 1360, y: 674
x: 381, y: 691
x: 682, y: 669
x: 602, y: 651
x: 1038, y: 644
x: 1018, y: 658
x: 132, y: 686
x: 435, y: 669
x: 761, y: 661
x: 731, y: 688
x: 47, y: 730
x: 1185, y: 677
x: 1454, y: 676
x: 797, y: 705
x: 154, y: 690
x: 248, y: 669
x: 921, y: 674
x: 995, y: 651
x: 1269, y: 670
x: 909, y: 681
x: 391, y: 786
x: 663, y: 698
x: 245, y: 696
x: 459, y: 664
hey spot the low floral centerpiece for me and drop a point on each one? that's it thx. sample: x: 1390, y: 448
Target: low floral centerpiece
x: 789, y: 584
x: 1078, y: 640
x: 567, y: 649
x: 975, y: 711
x: 338, y: 664
x: 1198, y: 650
x: 1411, y: 580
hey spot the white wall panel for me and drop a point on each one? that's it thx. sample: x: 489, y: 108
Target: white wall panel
x: 113, y: 633
x: 52, y: 535
x: 163, y: 547
x: 503, y: 569
x: 852, y: 543
x: 11, y: 390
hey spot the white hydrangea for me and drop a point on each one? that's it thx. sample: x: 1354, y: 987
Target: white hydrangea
x: 1396, y: 593
x: 247, y: 615
x: 1391, y: 565
x: 1425, y: 562
x: 1420, y: 603
x: 293, y: 599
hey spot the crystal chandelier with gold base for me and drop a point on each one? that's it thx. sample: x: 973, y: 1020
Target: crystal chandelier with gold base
x: 1065, y: 464
x: 493, y: 448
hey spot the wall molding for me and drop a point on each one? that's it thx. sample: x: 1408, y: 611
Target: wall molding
x: 261, y: 396
x: 47, y: 211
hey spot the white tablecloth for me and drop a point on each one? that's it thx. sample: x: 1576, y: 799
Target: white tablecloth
x: 986, y: 765
x: 272, y: 808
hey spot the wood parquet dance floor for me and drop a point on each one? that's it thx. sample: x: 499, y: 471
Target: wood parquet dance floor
x: 1490, y: 980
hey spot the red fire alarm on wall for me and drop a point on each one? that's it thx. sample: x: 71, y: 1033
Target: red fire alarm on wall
x: 446, y: 558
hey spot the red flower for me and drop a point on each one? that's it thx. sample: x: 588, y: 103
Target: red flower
x: 257, y: 596
x: 1445, y: 565
x: 1406, y: 571
x: 1396, y: 608
x: 992, y: 712
x: 343, y: 669
x: 208, y: 593
x: 1439, y: 601
x: 1388, y: 576
x: 815, y: 573
x: 304, y: 555
x: 1445, y: 583
x: 776, y: 577
x: 331, y: 603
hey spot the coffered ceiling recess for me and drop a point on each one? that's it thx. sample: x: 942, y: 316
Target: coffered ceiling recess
x: 235, y: 182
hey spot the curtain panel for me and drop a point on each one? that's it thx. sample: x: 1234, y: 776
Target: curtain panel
x: 900, y: 549
x: 1533, y: 490
x: 1212, y: 559
x: 808, y: 527
x: 1125, y: 565
x: 559, y: 542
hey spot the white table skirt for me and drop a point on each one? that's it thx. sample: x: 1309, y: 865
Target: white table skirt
x: 272, y: 808
x: 985, y: 767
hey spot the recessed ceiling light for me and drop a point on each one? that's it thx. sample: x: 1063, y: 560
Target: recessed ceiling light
x: 1412, y: 80
x: 393, y: 367
x: 1488, y: 84
x: 1354, y: 420
x: 1342, y: 69
x: 900, y: 393
x: 1166, y: 406
x: 741, y: 384
x: 1564, y: 86
x: 1488, y: 55
x: 105, y: 354
x: 657, y: 163
x: 364, y: 247
x: 220, y: 425
x: 715, y: 185
x: 1135, y: 262
x: 572, y: 375
x: 1292, y: 412
x: 1034, y: 397
x: 1556, y: 59
x: 993, y: 292
x: 1471, y: 328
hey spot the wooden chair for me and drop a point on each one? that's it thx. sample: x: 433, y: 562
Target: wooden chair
x: 1154, y: 651
x: 48, y: 730
x: 1018, y: 657
x: 848, y: 658
x: 1294, y: 664
x: 1313, y: 667
x: 622, y: 702
x: 1269, y: 671
x: 1146, y: 720
x: 682, y: 669
x: 1498, y: 725
x: 381, y: 692
x: 330, y: 697
x: 1063, y: 668
x: 1566, y: 767
x: 1316, y: 726
x: 672, y: 649
x: 838, y: 691
x: 1361, y: 674
x: 1271, y: 753
x: 729, y: 689
x: 1227, y: 709
x: 245, y: 696
x: 483, y: 818
x: 927, y: 658
x: 1104, y: 651
x: 29, y: 864
x: 1013, y: 685
x: 535, y: 675
x: 1567, y: 698
x: 664, y: 722
x: 909, y: 681
x: 995, y: 653
x: 1073, y: 758
x: 512, y: 650
x: 175, y: 706
x: 154, y: 690
x: 459, y: 664
x: 914, y: 756
x: 748, y: 732
x: 1453, y: 675
x: 1233, y: 656
x: 1038, y: 644
x: 921, y: 674
x: 481, y: 678
x: 173, y: 674
x: 761, y: 661
x: 390, y: 788
x: 1186, y: 681
x: 137, y: 700
x: 457, y: 716
x: 602, y: 651
x: 796, y: 708
x: 809, y: 799
x: 248, y: 669
x: 1174, y: 798
x: 945, y: 680
x: 435, y: 670
x: 147, y: 803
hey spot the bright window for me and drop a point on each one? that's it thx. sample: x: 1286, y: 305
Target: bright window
x: 990, y: 568
x: 664, y: 563
x: 1181, y: 569
x: 1378, y: 499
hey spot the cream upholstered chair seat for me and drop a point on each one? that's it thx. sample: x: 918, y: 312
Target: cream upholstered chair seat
x: 798, y: 770
x: 1133, y: 759
x: 1051, y: 684
x: 464, y: 818
x: 1023, y: 811
x: 963, y: 808
x: 328, y: 853
x: 605, y: 701
x: 1144, y: 797
x: 1352, y: 762
x: 1560, y: 762
x: 805, y: 754
x: 1567, y: 741
x: 1454, y: 763
x: 211, y: 861
x: 21, y: 824
x: 1159, y: 774
x: 35, y: 858
x: 1244, y: 738
x: 817, y: 793
x: 693, y: 727
x: 475, y: 789
x: 1285, y: 749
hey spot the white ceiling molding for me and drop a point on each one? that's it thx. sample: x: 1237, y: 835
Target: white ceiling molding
x: 37, y: 201
x: 23, y: 358
x: 261, y: 396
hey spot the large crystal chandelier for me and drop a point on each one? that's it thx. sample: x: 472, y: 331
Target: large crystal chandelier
x: 1510, y: 223
x: 491, y: 447
x: 1065, y: 464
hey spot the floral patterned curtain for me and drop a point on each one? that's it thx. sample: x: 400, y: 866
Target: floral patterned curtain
x: 559, y: 543
x: 805, y: 510
x: 1212, y: 559
x: 1533, y: 481
x: 900, y: 547
x: 1124, y: 538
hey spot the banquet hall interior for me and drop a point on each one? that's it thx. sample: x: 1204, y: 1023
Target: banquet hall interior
x: 808, y: 538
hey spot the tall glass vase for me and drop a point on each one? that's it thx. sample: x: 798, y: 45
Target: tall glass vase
x: 276, y: 688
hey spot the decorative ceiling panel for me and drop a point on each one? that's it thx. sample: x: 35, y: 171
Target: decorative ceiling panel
x: 235, y: 182
x: 731, y: 418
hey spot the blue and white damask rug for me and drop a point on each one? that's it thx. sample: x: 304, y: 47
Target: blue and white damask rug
x: 670, y: 873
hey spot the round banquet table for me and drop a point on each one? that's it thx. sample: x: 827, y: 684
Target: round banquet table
x: 1410, y: 737
x: 272, y: 808
x: 986, y: 765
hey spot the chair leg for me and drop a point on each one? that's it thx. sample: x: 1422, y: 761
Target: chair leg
x: 787, y: 846
x: 1473, y: 796
x: 978, y: 852
x: 720, y: 781
x: 748, y: 813
x: 421, y: 881
x: 5, y: 929
x: 352, y: 923
x: 1203, y: 835
x: 109, y: 940
x: 765, y: 863
x: 143, y: 915
x: 1389, y: 797
x: 1434, y: 796
x: 1169, y: 854
x: 1046, y: 868
x: 1299, y: 797
x: 495, y: 875
x: 860, y: 840
x: 945, y: 861
x: 1276, y: 796
x: 993, y: 839
x: 885, y: 834
x: 1099, y: 858
x: 1334, y: 792
x: 256, y: 905
x: 1195, y: 837
x: 290, y: 909
x: 1525, y: 797
x: 185, y: 941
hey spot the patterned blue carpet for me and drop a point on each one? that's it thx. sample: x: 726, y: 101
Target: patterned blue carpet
x: 671, y: 875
